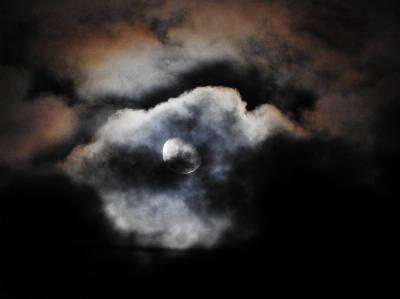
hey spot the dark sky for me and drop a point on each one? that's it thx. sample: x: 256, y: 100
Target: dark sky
x: 293, y: 107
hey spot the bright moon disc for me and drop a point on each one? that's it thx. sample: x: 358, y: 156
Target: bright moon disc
x: 180, y: 157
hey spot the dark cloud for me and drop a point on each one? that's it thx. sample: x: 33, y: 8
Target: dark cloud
x: 303, y: 220
x: 385, y: 157
x: 311, y: 189
x: 306, y: 173
x: 255, y: 86
x: 45, y: 84
x: 338, y: 24
x: 30, y: 127
x: 55, y: 238
x: 48, y: 208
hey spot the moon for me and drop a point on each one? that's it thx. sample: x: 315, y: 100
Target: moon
x: 181, y: 157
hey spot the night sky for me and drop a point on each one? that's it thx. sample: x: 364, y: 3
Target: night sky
x: 292, y: 106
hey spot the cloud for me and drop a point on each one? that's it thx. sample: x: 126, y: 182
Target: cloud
x: 325, y: 190
x: 142, y: 196
x: 27, y: 128
x: 127, y: 50
x: 46, y: 207
x: 323, y: 64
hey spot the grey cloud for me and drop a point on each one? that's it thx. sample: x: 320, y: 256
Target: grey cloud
x: 141, y: 195
x: 293, y: 43
x: 144, y: 53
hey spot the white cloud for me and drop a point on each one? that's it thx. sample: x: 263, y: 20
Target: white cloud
x: 124, y: 160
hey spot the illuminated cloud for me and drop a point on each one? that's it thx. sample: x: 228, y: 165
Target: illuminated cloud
x: 142, y: 196
x: 114, y: 56
x: 308, y: 171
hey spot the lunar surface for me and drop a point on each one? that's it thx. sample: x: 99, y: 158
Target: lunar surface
x: 180, y: 157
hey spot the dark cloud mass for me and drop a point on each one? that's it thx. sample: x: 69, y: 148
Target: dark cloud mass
x: 292, y: 106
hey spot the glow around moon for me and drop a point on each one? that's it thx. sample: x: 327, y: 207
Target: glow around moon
x: 180, y: 157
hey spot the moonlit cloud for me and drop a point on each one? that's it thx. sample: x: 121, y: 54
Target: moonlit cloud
x: 292, y: 106
x: 162, y: 42
x: 215, y: 121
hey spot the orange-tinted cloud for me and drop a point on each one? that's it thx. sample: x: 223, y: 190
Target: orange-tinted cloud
x: 32, y: 127
x: 126, y: 48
